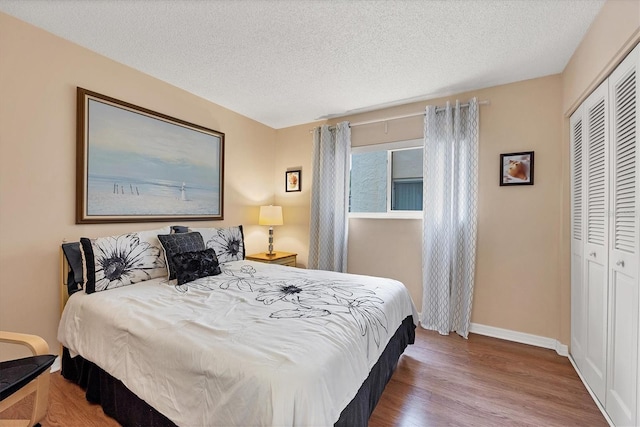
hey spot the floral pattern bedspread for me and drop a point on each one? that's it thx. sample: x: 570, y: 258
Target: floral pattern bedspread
x: 258, y: 344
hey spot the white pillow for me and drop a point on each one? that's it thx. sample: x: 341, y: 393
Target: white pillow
x: 115, y: 261
x: 228, y: 243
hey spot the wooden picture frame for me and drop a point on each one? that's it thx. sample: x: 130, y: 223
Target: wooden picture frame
x: 516, y: 168
x: 293, y: 181
x: 138, y: 165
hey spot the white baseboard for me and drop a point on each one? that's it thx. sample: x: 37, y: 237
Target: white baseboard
x: 593, y: 396
x: 520, y: 337
x: 515, y: 336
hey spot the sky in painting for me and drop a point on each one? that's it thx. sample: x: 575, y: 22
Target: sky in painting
x: 128, y: 144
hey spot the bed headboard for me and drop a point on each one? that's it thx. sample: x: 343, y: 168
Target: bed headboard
x: 64, y: 272
x: 71, y: 275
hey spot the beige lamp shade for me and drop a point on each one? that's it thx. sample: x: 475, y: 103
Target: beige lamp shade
x: 270, y: 215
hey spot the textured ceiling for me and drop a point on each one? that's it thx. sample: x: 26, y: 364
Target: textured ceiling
x: 284, y: 63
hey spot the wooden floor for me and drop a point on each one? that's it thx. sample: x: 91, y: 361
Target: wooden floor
x: 440, y: 380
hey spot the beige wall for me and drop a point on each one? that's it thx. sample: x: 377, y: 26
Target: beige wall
x: 517, y: 280
x: 293, y: 151
x: 38, y: 77
x: 611, y: 36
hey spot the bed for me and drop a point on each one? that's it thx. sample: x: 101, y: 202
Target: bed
x: 256, y: 344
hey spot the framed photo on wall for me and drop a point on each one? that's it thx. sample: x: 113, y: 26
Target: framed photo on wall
x: 293, y: 181
x: 137, y: 165
x: 516, y: 168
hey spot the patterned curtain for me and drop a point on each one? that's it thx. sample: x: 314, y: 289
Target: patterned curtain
x: 450, y: 199
x: 330, y: 198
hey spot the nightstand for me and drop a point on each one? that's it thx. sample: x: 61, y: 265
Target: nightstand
x: 282, y: 258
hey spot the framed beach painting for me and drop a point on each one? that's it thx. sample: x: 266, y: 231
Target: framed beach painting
x: 137, y: 165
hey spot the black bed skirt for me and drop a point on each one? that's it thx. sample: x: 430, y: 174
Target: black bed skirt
x: 129, y: 410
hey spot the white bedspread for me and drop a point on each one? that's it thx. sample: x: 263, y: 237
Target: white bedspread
x: 258, y: 344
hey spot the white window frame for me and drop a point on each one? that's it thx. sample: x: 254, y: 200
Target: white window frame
x: 389, y: 147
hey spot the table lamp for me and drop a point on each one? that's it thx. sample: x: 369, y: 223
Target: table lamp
x: 270, y: 215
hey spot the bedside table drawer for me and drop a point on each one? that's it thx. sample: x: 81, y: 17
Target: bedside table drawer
x: 280, y: 258
x: 289, y: 261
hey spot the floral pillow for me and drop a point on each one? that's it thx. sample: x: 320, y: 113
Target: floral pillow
x: 115, y: 261
x: 228, y: 243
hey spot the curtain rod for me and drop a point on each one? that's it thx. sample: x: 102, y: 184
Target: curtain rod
x: 422, y: 113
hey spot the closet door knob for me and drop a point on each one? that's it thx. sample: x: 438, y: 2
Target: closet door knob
x: 620, y: 263
x: 592, y: 254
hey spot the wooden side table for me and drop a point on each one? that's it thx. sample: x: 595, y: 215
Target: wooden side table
x: 281, y: 258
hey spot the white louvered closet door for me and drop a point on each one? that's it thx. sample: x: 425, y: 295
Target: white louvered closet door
x: 596, y: 174
x: 578, y: 292
x: 624, y: 254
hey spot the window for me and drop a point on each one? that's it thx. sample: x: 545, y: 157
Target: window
x: 386, y: 180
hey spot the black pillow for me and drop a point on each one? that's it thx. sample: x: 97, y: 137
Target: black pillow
x: 75, y: 278
x: 190, y: 266
x: 87, y: 250
x: 177, y: 243
x: 179, y: 229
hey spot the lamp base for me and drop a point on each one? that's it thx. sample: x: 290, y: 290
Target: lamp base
x: 270, y: 253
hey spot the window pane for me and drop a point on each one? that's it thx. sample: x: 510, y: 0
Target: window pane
x: 407, y: 163
x: 406, y: 171
x: 368, y: 182
x: 408, y: 195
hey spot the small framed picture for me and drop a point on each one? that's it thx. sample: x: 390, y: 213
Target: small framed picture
x: 516, y: 168
x: 293, y: 181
